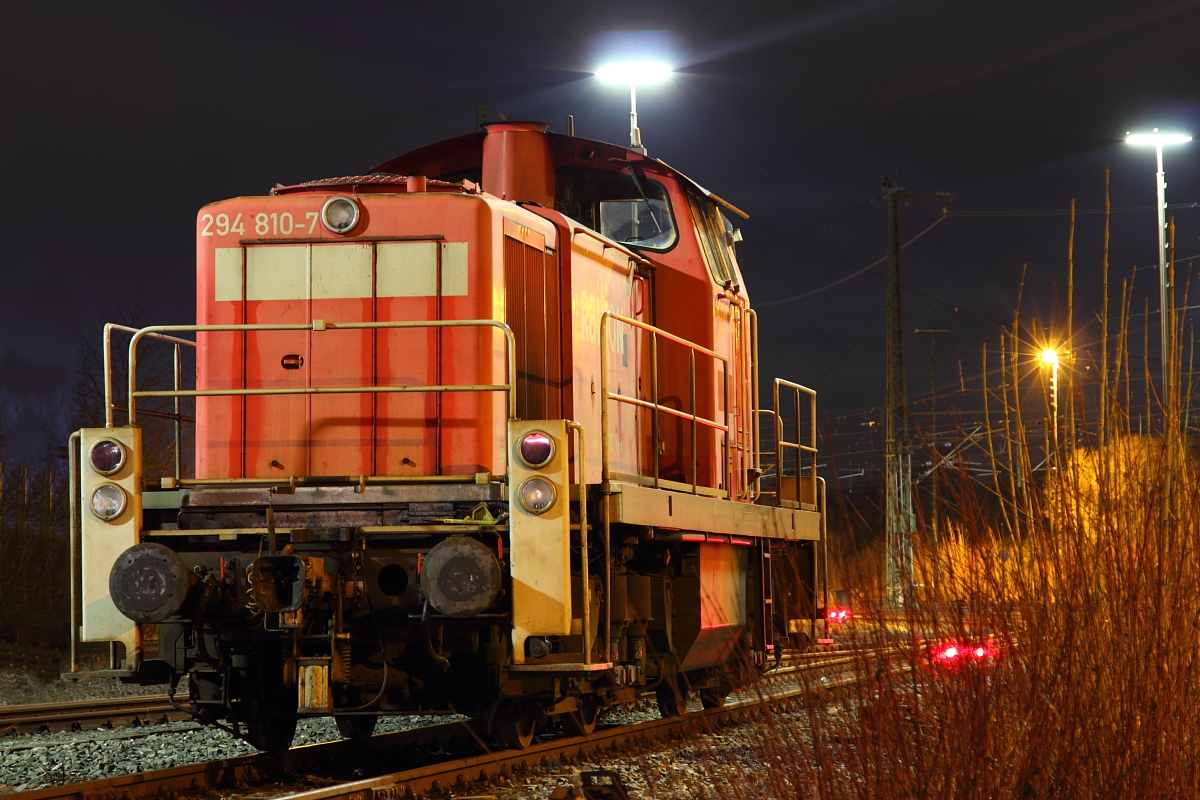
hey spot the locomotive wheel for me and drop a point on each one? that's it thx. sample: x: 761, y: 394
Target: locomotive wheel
x: 359, y: 727
x: 713, y: 698
x: 582, y: 721
x: 672, y: 700
x: 514, y: 733
x: 268, y: 705
x: 270, y: 721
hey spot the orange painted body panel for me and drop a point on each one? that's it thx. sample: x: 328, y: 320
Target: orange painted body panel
x: 527, y: 266
x: 406, y: 424
x: 276, y: 427
x: 351, y: 434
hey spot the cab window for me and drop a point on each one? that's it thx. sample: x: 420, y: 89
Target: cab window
x: 627, y: 207
x: 710, y: 229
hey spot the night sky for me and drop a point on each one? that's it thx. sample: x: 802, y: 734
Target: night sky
x: 118, y: 121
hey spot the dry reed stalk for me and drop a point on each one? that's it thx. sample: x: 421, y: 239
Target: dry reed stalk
x: 1080, y: 583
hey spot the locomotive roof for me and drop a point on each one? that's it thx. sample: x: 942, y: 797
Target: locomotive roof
x: 452, y: 157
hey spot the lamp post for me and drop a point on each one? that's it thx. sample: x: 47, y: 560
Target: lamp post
x: 634, y: 73
x: 1159, y: 139
x: 1050, y: 359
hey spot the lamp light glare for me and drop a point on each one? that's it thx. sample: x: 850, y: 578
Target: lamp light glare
x: 1050, y: 357
x: 634, y: 72
x: 1157, y: 138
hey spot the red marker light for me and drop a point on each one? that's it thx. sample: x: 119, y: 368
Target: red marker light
x: 536, y: 449
x: 980, y: 652
x: 949, y: 653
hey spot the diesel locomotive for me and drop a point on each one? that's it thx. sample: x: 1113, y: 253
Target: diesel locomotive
x: 477, y: 432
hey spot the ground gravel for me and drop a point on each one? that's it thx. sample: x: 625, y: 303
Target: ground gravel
x: 32, y: 761
x: 742, y: 762
x: 24, y: 688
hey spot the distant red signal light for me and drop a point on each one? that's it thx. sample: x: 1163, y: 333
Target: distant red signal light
x: 953, y: 653
x: 946, y: 654
x: 838, y: 614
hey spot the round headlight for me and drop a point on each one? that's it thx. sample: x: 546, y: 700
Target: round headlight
x: 108, y: 501
x: 536, y: 448
x: 537, y: 495
x: 340, y: 214
x: 107, y: 456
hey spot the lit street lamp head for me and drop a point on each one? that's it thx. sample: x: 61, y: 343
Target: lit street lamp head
x: 1050, y: 357
x: 634, y: 73
x: 1156, y: 138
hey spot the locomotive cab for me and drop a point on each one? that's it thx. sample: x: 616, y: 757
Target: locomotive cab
x: 476, y: 432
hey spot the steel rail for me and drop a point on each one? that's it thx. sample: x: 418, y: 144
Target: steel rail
x: 29, y: 717
x: 194, y: 779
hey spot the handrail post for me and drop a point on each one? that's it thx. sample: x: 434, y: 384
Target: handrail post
x: 178, y: 422
x: 692, y: 395
x: 779, y: 445
x: 107, y: 356
x: 799, y: 453
x: 73, y: 461
x: 812, y: 416
x: 604, y: 465
x: 583, y: 543
x: 755, y: 433
x: 605, y: 490
x: 824, y: 556
x: 656, y: 431
x: 729, y: 487
x: 131, y: 408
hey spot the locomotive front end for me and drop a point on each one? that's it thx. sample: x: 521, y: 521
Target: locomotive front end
x: 455, y: 451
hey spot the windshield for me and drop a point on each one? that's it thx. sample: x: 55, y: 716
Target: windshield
x: 624, y: 206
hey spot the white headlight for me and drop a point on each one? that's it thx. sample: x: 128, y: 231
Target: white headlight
x: 537, y: 495
x: 108, y: 501
x: 340, y: 214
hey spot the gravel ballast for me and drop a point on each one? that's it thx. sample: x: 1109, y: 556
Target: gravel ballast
x: 32, y: 761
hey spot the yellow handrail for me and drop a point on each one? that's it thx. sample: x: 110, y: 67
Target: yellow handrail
x: 781, y: 444
x: 656, y: 407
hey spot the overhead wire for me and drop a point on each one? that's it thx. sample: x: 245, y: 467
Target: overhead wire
x: 867, y: 270
x: 1067, y: 212
x: 858, y: 271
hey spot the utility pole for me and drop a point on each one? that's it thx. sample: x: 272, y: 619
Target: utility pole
x: 899, y: 519
x: 936, y: 459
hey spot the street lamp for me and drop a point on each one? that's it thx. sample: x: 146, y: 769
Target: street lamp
x: 1159, y: 139
x: 633, y: 73
x: 1050, y: 359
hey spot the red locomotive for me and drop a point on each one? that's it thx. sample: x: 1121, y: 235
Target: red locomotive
x: 476, y: 432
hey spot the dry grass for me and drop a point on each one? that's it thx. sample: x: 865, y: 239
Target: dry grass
x: 1076, y: 568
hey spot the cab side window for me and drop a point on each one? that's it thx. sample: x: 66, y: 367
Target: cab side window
x: 624, y: 206
x: 710, y: 228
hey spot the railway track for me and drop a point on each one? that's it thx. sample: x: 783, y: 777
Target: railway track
x: 431, y: 758
x: 78, y: 715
